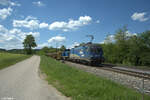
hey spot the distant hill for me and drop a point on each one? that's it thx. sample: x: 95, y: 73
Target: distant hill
x: 2, y: 50
x: 18, y: 51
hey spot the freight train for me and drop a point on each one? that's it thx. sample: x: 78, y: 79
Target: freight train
x: 89, y: 53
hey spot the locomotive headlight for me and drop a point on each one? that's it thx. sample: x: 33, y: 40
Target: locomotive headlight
x: 82, y: 55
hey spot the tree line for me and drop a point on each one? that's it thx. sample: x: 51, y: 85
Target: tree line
x: 45, y: 50
x: 127, y: 49
x: 120, y: 48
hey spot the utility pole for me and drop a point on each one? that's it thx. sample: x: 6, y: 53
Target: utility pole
x: 143, y: 88
x: 56, y: 47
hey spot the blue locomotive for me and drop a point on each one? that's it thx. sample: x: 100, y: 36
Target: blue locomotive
x: 65, y: 54
x: 88, y: 53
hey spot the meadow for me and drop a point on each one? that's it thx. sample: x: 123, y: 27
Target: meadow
x: 7, y: 59
x: 80, y: 85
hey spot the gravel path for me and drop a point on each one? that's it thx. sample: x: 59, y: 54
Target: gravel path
x: 22, y: 82
x: 130, y: 81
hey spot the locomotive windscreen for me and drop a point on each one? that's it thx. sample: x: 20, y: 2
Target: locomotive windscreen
x: 95, y: 49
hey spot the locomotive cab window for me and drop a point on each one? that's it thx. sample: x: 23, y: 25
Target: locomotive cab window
x: 95, y: 50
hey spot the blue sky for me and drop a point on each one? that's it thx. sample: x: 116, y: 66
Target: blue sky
x: 67, y: 22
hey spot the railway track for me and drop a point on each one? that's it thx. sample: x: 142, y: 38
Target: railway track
x: 127, y: 72
x: 109, y: 67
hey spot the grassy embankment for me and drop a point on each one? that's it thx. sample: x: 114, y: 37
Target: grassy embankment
x: 80, y: 85
x: 7, y: 59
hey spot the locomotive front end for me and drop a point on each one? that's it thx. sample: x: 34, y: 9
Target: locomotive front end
x: 96, y: 54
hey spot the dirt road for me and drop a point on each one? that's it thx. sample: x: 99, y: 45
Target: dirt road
x: 22, y: 82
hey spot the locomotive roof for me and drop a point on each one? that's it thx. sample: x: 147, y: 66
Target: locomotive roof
x: 91, y: 44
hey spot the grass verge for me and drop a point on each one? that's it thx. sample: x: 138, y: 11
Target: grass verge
x: 80, y: 85
x: 7, y: 59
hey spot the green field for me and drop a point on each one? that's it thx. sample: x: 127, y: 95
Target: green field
x: 80, y: 85
x: 7, y: 59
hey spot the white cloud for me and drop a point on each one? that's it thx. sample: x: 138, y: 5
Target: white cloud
x: 52, y: 41
x: 97, y: 21
x: 35, y: 34
x: 43, y: 25
x: 71, y: 24
x: 9, y: 40
x: 38, y: 3
x: 39, y: 46
x: 8, y: 3
x: 139, y: 16
x: 129, y: 34
x: 58, y: 25
x: 5, y: 12
x: 32, y: 23
x: 3, y: 29
x: 102, y: 42
x: 12, y: 39
x: 29, y: 22
x: 73, y: 45
x: 30, y: 18
x: 111, y: 38
x: 15, y: 31
x: 57, y: 39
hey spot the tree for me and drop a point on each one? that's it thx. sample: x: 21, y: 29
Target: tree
x: 127, y: 48
x: 122, y: 47
x: 110, y: 53
x: 109, y: 39
x: 81, y: 44
x: 62, y: 48
x: 29, y: 43
x: 45, y: 49
x: 134, y: 50
x: 145, y: 48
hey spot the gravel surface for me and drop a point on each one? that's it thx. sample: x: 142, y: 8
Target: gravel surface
x: 134, y: 70
x: 22, y: 82
x: 130, y: 81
